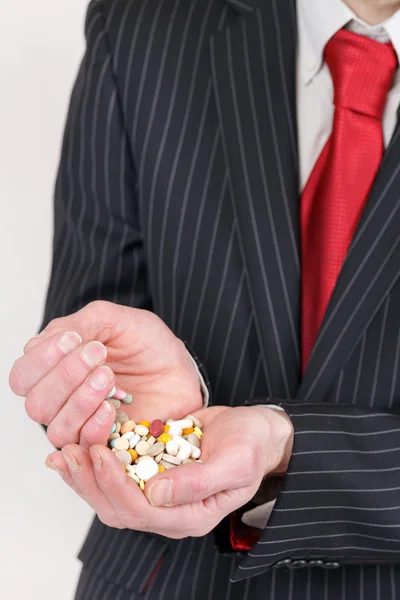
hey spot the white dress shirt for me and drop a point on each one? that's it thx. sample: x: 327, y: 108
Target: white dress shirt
x: 318, y: 21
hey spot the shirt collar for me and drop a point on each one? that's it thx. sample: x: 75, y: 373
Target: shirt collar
x: 319, y: 21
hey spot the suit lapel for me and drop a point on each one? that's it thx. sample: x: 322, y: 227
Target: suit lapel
x: 371, y: 268
x: 254, y: 74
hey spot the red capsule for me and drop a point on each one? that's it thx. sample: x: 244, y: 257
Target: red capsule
x: 156, y: 428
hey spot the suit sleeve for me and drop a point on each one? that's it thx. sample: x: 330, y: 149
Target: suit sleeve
x: 97, y: 250
x: 340, y: 501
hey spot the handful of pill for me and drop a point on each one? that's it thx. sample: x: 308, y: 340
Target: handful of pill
x: 146, y: 449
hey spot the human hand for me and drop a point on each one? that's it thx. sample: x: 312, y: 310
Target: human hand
x: 65, y: 375
x: 239, y: 447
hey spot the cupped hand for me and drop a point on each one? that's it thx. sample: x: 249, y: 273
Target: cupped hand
x: 240, y: 446
x: 68, y: 370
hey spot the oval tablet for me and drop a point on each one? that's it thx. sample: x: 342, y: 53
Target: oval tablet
x: 156, y: 448
x: 128, y: 426
x: 141, y: 430
x: 134, y: 440
x: 156, y: 428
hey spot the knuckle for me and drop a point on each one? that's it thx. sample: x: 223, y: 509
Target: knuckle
x: 67, y: 373
x: 60, y: 436
x: 35, y: 409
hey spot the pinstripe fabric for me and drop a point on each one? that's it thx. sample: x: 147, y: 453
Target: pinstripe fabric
x: 178, y: 192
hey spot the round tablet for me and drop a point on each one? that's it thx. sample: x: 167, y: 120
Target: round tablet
x: 121, y: 444
x: 142, y: 448
x: 146, y: 469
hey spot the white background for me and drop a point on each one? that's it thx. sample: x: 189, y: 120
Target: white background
x: 42, y: 523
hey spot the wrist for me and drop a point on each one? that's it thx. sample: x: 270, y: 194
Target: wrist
x: 279, y: 439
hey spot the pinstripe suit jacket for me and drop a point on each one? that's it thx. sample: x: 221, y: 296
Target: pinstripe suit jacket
x: 178, y: 192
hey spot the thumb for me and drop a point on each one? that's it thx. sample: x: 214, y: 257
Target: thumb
x: 94, y: 321
x: 197, y: 481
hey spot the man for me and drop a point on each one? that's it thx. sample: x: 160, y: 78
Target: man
x: 232, y: 166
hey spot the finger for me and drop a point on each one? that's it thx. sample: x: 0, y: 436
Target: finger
x: 28, y: 370
x: 198, y: 481
x: 76, y: 468
x: 97, y: 429
x: 85, y: 405
x: 48, y: 396
x: 135, y: 512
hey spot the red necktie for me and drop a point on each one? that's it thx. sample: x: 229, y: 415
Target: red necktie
x: 362, y: 71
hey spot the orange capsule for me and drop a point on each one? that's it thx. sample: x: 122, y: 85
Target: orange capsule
x: 161, y: 468
x: 164, y: 438
x: 188, y: 431
x: 166, y: 428
x: 134, y: 455
x: 145, y: 423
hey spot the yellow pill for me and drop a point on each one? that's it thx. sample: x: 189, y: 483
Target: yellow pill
x: 198, y: 432
x: 164, y: 438
x: 161, y: 468
x: 188, y: 431
x: 134, y: 455
x: 166, y: 428
x: 145, y: 423
x: 141, y: 483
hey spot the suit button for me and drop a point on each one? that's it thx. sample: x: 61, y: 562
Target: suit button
x: 298, y: 564
x: 286, y: 562
x: 331, y: 565
x: 315, y: 563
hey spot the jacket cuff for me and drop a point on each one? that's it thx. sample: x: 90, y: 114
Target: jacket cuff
x: 203, y: 377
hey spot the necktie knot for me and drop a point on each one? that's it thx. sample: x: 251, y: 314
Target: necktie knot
x: 362, y: 71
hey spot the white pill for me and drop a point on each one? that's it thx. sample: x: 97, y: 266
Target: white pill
x: 146, y: 469
x: 174, y: 430
x: 134, y: 477
x: 128, y: 435
x: 182, y: 424
x: 172, y: 447
x: 130, y: 469
x: 196, y: 421
x: 134, y: 440
x: 179, y: 440
x: 168, y: 421
x: 141, y: 430
x: 171, y: 459
x: 184, y: 452
x: 159, y: 457
x: 142, y: 458
x: 196, y: 452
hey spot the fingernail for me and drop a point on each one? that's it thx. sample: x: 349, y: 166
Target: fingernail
x: 94, y: 353
x: 69, y: 341
x: 96, y: 458
x: 71, y: 461
x: 101, y: 378
x: 111, y: 394
x: 160, y: 493
x: 103, y: 413
x: 51, y: 465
